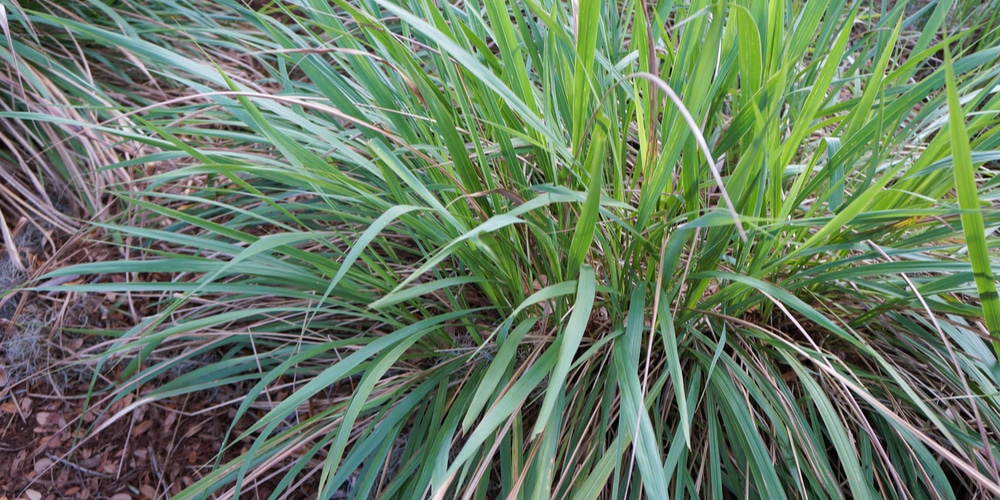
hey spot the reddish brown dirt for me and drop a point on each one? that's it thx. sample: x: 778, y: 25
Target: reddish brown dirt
x: 49, y: 450
x: 152, y: 453
x: 47, y: 447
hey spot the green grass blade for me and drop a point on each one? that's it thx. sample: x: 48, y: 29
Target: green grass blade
x: 567, y: 344
x: 972, y: 216
x: 583, y: 235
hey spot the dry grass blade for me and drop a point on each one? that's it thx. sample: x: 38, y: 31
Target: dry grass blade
x: 973, y: 404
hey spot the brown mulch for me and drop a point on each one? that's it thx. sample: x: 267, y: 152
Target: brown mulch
x: 48, y: 449
x: 154, y: 452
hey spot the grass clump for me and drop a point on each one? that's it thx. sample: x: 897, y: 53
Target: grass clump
x: 558, y: 249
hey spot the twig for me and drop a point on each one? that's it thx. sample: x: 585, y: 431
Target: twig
x: 77, y: 468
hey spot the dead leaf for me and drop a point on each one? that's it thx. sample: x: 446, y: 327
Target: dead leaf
x: 168, y: 420
x: 142, y: 427
x: 42, y: 418
x: 47, y: 442
x: 33, y: 495
x: 147, y: 491
x: 91, y: 462
x: 76, y: 344
x: 121, y: 496
x: 49, y: 419
x: 19, y: 460
x: 42, y: 465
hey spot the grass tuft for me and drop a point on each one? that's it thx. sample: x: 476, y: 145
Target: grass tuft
x: 540, y: 249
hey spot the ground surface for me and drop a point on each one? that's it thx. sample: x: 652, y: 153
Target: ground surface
x: 152, y: 452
